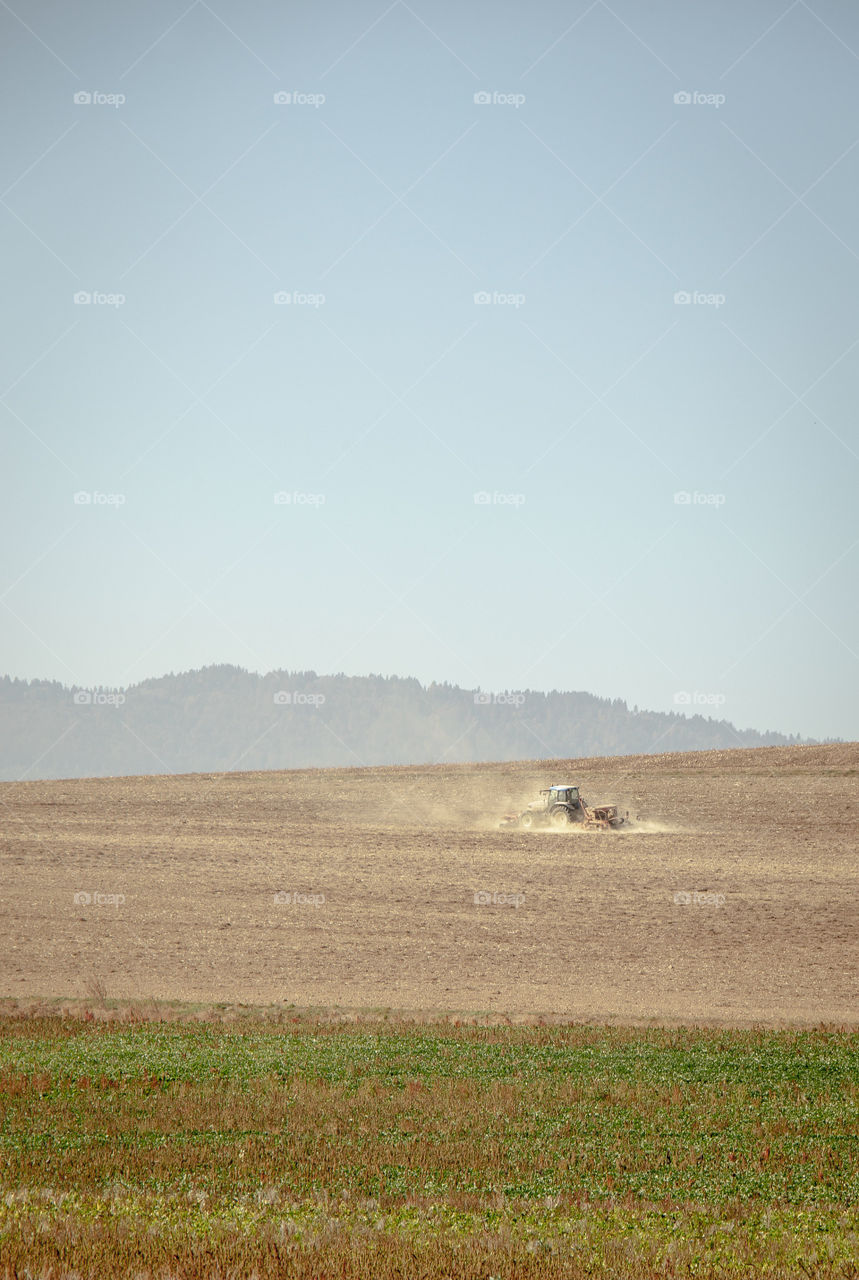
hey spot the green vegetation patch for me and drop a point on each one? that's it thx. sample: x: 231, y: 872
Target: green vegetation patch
x: 316, y: 1149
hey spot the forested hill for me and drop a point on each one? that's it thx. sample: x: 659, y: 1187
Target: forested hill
x: 224, y: 718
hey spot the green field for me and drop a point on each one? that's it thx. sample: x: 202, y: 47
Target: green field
x: 304, y: 1147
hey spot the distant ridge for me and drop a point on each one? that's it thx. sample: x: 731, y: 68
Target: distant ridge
x: 223, y: 718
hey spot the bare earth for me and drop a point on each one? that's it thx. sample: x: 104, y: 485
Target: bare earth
x: 386, y: 864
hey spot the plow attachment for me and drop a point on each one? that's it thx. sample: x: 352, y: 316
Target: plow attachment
x: 602, y: 817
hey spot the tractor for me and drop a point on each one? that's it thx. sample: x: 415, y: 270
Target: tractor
x: 561, y: 806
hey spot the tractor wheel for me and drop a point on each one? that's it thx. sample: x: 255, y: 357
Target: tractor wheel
x: 561, y: 818
x: 527, y: 821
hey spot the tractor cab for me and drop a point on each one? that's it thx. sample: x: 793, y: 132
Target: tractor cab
x: 561, y: 795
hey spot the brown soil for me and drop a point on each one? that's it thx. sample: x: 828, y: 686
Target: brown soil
x: 387, y: 863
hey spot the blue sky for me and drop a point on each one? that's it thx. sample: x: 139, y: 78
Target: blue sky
x: 626, y: 279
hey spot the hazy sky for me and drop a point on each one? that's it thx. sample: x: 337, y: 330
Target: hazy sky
x: 581, y: 399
